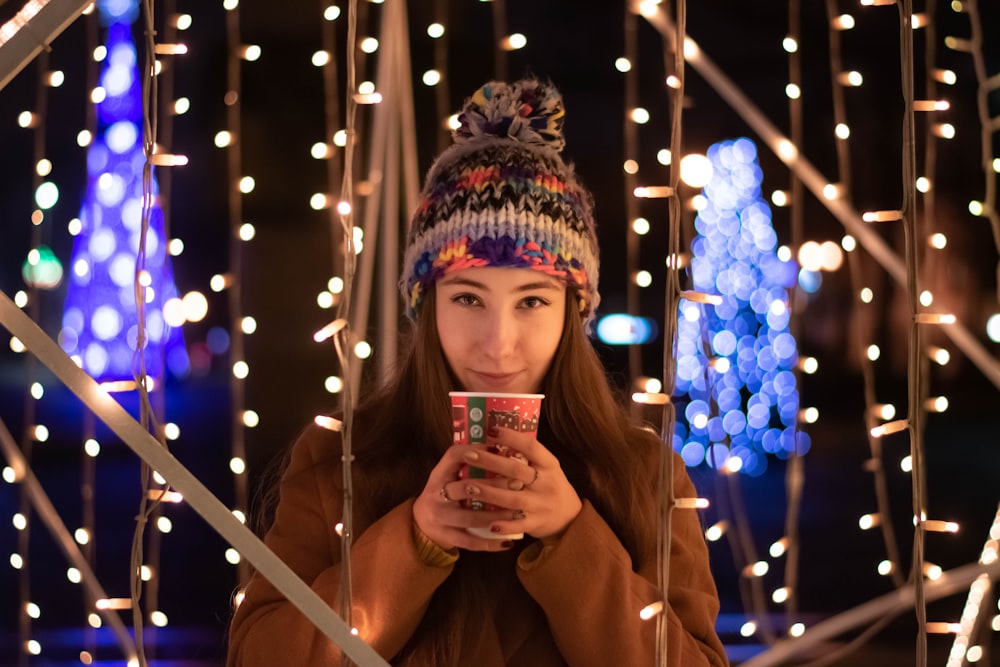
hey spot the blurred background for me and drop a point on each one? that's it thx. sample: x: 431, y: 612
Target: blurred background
x: 270, y: 248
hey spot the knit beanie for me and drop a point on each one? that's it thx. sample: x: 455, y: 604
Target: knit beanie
x: 502, y: 196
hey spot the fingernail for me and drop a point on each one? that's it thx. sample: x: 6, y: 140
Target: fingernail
x: 495, y: 529
x: 507, y: 544
x: 472, y: 490
x: 515, y: 485
x: 471, y: 456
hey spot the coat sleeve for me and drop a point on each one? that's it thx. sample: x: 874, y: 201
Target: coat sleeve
x: 391, y: 585
x: 592, y: 595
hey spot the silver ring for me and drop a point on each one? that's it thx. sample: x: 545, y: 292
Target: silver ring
x: 444, y: 494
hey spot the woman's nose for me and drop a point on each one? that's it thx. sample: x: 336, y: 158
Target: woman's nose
x: 499, y: 336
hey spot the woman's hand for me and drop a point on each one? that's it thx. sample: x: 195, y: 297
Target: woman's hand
x: 529, y: 489
x: 438, y: 510
x: 530, y: 483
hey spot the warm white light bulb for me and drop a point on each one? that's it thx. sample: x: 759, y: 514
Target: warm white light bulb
x: 778, y: 548
x: 639, y: 115
x: 696, y: 170
x: 640, y: 226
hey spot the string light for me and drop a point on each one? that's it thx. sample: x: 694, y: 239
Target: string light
x: 692, y: 503
x: 715, y: 532
x: 651, y: 610
x: 758, y: 569
x: 329, y: 423
x: 934, y: 318
x: 936, y: 404
x: 778, y: 548
x: 890, y: 428
x: 653, y: 192
x: 639, y: 115
x: 939, y: 355
x: 701, y: 297
x: 650, y: 398
x: 852, y: 78
x: 328, y: 10
x: 117, y: 604
x: 882, y: 216
x: 931, y: 571
x: 237, y: 465
x: 513, y: 42
x: 843, y: 22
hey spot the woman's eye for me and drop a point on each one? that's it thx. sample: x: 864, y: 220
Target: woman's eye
x: 533, y: 302
x: 465, y: 299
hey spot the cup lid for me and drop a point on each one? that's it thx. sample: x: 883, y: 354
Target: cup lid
x: 494, y: 394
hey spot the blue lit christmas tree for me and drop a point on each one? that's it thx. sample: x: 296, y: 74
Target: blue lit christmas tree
x: 100, y: 323
x: 736, y: 390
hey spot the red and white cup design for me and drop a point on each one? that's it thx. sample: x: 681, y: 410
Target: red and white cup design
x: 473, y: 414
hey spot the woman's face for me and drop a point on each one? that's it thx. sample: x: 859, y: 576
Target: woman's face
x: 499, y: 327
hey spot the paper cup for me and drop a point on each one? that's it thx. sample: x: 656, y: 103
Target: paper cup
x: 475, y: 413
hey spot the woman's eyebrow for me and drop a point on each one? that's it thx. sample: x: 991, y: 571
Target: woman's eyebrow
x: 541, y: 284
x: 526, y: 287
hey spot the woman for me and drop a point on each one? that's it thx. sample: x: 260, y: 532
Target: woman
x: 500, y: 278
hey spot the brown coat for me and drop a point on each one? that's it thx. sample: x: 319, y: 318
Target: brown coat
x: 574, y: 603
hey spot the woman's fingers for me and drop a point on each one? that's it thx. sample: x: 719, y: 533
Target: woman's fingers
x: 510, y: 467
x: 524, y: 490
x: 461, y: 520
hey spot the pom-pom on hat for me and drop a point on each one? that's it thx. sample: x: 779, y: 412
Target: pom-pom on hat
x: 502, y: 196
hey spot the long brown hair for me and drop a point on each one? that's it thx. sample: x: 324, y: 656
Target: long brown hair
x: 583, y: 423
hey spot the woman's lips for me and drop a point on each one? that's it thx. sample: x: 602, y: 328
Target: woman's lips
x: 495, y: 379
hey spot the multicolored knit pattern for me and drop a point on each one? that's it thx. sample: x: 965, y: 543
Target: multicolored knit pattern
x: 503, y: 197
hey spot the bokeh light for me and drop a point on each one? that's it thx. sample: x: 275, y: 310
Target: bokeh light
x: 735, y: 387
